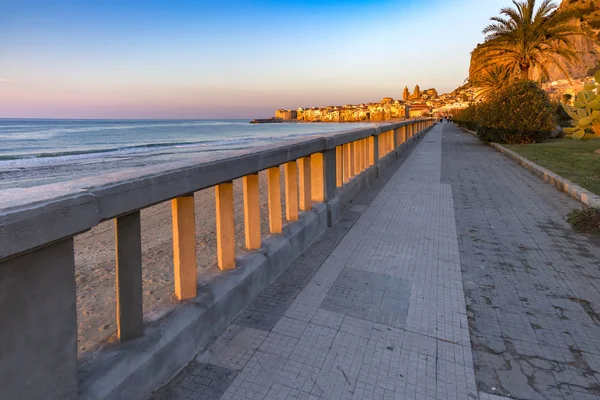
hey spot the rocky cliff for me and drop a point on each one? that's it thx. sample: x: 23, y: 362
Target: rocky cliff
x: 585, y: 13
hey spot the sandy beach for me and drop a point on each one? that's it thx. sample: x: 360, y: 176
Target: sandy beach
x: 95, y: 262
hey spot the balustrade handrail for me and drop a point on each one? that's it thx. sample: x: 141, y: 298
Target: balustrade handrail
x: 34, y: 217
x: 38, y: 225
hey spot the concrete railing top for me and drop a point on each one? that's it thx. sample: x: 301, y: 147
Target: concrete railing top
x: 37, y: 216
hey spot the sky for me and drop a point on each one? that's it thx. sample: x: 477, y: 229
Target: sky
x: 202, y: 59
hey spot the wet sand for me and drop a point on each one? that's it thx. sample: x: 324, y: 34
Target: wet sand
x: 95, y: 262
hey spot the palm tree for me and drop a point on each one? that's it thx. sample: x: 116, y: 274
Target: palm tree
x: 490, y: 80
x: 523, y: 39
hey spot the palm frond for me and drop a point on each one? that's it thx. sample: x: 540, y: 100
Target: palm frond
x: 525, y: 38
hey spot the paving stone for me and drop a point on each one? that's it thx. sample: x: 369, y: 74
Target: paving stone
x: 198, y: 381
x: 487, y: 396
x: 370, y: 296
x: 374, y: 310
x: 233, y: 348
x: 327, y: 318
x: 530, y: 281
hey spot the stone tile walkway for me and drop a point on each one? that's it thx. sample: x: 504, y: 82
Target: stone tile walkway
x: 532, y: 284
x: 377, y: 309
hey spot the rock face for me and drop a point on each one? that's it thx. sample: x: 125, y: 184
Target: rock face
x: 586, y: 13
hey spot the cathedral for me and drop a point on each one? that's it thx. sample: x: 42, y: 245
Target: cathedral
x: 418, y: 94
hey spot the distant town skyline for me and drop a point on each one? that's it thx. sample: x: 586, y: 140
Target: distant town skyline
x: 228, y: 59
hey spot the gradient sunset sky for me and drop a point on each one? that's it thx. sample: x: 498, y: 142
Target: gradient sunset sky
x: 226, y: 59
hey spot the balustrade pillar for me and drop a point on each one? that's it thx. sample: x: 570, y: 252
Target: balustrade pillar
x: 291, y: 191
x: 346, y: 150
x: 38, y: 335
x: 330, y: 172
x: 305, y: 184
x: 317, y: 177
x: 274, y: 200
x: 357, y: 157
x: 339, y: 166
x: 371, y: 150
x: 225, y: 225
x: 184, y: 247
x: 251, y: 211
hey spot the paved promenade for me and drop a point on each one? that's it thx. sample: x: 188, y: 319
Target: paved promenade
x: 531, y: 284
x: 455, y: 278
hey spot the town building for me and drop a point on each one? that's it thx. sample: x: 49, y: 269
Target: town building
x: 413, y: 105
x: 406, y: 94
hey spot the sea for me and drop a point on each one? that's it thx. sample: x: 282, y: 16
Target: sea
x: 37, y: 152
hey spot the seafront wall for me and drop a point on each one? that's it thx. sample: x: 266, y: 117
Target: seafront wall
x: 38, y: 337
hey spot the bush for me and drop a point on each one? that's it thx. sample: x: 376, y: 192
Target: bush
x: 562, y: 118
x: 585, y: 220
x: 519, y: 113
x: 467, y: 117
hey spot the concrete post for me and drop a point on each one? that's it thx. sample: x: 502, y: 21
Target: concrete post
x: 291, y: 190
x: 395, y: 138
x: 38, y: 334
x: 317, y: 183
x: 347, y: 164
x: 225, y: 225
x: 128, y: 244
x: 376, y: 153
x: 339, y: 166
x: 330, y: 177
x: 371, y: 149
x: 330, y: 172
x: 274, y: 195
x: 184, y: 247
x: 251, y: 193
x: 305, y: 184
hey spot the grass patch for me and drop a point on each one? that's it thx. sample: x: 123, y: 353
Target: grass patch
x: 574, y: 160
x: 585, y: 220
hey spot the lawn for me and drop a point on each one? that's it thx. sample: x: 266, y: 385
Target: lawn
x: 572, y: 159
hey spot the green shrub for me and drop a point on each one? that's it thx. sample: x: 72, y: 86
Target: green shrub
x: 585, y: 220
x: 519, y: 113
x: 467, y: 117
x: 561, y: 116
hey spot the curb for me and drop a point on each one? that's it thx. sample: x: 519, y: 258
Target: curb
x: 585, y: 196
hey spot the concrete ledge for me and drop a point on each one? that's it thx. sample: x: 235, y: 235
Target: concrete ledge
x: 583, y: 195
x: 33, y: 217
x: 134, y: 369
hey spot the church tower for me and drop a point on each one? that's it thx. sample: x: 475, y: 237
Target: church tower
x: 418, y: 93
x: 406, y: 94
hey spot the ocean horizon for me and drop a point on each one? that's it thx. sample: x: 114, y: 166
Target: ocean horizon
x: 41, y: 151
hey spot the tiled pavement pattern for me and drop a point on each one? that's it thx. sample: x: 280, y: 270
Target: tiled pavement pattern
x: 531, y: 283
x: 374, y: 311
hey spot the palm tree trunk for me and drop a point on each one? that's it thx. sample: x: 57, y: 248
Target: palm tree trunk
x: 525, y: 72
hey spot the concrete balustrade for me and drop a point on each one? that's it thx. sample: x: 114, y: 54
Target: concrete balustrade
x: 225, y: 226
x: 317, y: 177
x: 304, y: 182
x: 251, y: 211
x: 38, y: 336
x: 339, y: 166
x: 184, y: 247
x: 128, y: 243
x: 274, y: 200
x: 291, y: 191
